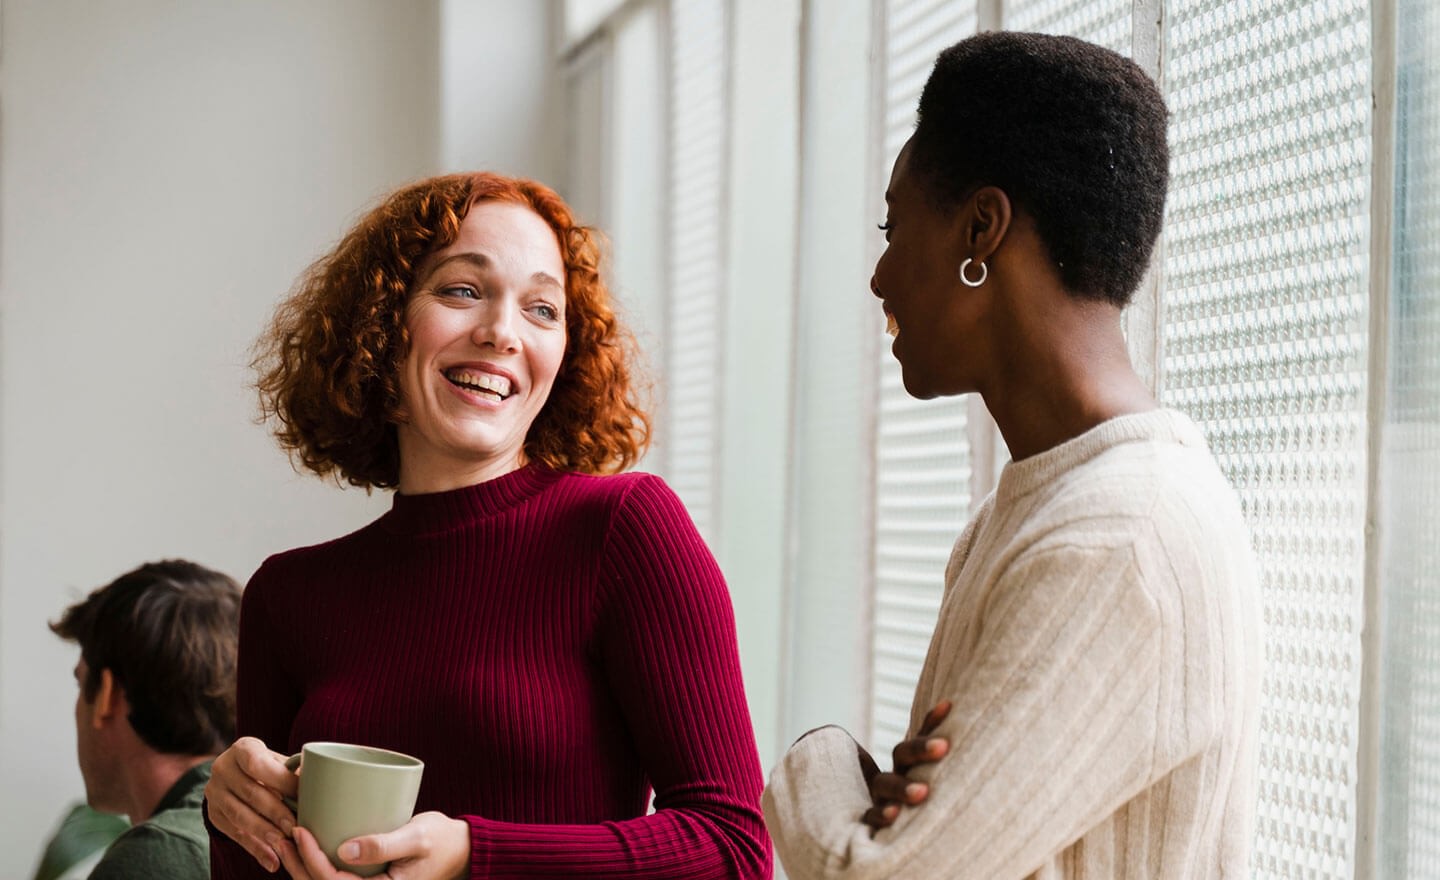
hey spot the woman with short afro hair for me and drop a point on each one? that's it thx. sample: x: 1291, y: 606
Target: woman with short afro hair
x: 1089, y: 703
x: 550, y: 636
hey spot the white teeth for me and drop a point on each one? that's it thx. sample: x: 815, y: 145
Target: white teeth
x: 479, y: 381
x: 891, y: 328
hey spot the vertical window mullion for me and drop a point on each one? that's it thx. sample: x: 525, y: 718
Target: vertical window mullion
x: 695, y: 264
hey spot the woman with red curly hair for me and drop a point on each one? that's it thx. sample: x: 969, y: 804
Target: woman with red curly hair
x: 550, y: 637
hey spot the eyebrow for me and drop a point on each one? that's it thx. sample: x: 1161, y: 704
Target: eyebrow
x: 480, y: 261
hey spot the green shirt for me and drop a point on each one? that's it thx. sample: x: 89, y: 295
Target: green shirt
x: 170, y: 845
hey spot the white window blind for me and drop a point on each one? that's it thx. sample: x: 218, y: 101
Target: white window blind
x: 922, y: 468
x: 1410, y: 511
x: 1264, y: 340
x: 1107, y: 22
x: 695, y: 264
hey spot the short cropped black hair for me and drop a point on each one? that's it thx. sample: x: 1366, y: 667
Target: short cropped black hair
x: 1072, y: 132
x: 168, y: 633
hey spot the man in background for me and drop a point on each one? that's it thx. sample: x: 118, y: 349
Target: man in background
x: 156, y: 705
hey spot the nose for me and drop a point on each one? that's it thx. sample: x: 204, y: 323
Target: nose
x: 875, y: 287
x: 495, y: 326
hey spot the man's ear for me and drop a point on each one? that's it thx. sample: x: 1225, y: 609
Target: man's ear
x: 109, y: 700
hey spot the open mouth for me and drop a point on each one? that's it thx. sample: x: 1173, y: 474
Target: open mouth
x: 892, y: 329
x: 486, y: 385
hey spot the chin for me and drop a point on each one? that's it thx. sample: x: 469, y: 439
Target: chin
x: 917, y: 389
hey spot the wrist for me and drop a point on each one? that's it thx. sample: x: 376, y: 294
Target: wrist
x: 459, y: 835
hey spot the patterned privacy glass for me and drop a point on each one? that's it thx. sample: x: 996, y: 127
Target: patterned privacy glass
x: 1107, y: 22
x: 1410, y: 517
x: 698, y: 122
x: 1264, y: 344
x: 922, y: 491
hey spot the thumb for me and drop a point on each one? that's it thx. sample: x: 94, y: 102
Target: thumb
x: 373, y: 849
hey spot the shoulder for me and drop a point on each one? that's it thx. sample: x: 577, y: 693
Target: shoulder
x: 282, y: 570
x: 1167, y: 507
x: 158, y: 850
x: 623, y: 499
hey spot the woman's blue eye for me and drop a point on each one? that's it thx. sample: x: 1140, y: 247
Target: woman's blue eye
x: 549, y: 313
x: 462, y: 290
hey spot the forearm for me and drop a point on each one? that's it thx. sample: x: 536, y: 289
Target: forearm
x: 722, y: 840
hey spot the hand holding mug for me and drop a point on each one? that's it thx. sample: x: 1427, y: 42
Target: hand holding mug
x: 431, y: 846
x: 244, y: 800
x: 349, y: 791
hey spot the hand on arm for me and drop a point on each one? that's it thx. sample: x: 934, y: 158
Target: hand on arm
x: 247, y: 782
x: 890, y: 791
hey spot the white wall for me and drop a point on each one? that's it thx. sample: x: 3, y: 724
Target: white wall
x: 166, y: 170
x: 500, y: 96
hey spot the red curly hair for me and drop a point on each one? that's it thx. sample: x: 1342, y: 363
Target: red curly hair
x: 329, y: 363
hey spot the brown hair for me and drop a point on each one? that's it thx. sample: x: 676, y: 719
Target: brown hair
x: 167, y: 632
x: 329, y: 362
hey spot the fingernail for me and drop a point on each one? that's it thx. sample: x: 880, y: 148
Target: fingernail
x: 350, y: 851
x: 937, y: 746
x: 890, y: 811
x: 915, y: 790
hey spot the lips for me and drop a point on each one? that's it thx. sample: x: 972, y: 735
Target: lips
x: 492, y: 386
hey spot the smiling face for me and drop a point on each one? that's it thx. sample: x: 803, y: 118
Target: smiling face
x: 486, y: 318
x: 931, y: 314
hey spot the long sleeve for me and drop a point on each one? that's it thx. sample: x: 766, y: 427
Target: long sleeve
x: 1054, y: 726
x: 266, y: 700
x: 665, y: 639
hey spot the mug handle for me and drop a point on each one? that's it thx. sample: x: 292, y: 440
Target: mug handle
x: 292, y: 764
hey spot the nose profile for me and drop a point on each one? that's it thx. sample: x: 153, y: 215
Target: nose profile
x: 875, y: 287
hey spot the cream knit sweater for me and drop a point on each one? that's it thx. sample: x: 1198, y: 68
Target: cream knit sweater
x: 1100, y: 640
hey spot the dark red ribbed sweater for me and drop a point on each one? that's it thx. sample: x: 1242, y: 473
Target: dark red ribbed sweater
x: 551, y: 645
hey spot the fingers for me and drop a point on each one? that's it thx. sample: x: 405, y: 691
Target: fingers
x: 881, y: 817
x: 893, y: 788
x: 920, y: 750
x: 243, y: 808
x: 307, y: 861
x: 264, y: 766
x: 429, y: 845
x: 935, y: 716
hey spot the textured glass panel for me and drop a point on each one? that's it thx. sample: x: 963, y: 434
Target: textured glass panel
x: 697, y: 177
x: 1410, y: 515
x: 1265, y: 321
x: 1107, y: 22
x: 922, y: 492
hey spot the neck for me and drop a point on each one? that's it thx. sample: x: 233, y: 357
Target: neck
x: 1066, y: 370
x: 149, y: 776
x: 427, y: 477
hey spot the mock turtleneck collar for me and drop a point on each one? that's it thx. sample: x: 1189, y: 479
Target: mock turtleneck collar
x: 441, y: 511
x: 1019, y: 478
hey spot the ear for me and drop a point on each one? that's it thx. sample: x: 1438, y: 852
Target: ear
x: 984, y: 221
x: 109, y: 700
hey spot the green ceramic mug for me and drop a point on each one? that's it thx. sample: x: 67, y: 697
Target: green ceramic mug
x: 348, y: 790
